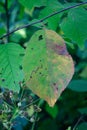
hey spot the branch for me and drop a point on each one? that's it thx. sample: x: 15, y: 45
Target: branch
x: 41, y: 20
x: 7, y: 18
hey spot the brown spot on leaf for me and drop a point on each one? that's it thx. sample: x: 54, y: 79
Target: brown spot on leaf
x: 57, y: 88
x: 30, y: 77
x: 40, y: 37
x: 20, y: 67
x: 14, y: 82
x: 20, y: 83
x: 54, y: 84
x: 3, y: 80
x: 32, y: 48
x: 21, y: 54
x: 40, y: 73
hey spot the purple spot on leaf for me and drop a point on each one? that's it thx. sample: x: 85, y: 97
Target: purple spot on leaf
x: 61, y: 50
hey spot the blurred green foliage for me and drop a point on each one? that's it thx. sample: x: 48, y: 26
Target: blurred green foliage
x: 70, y: 111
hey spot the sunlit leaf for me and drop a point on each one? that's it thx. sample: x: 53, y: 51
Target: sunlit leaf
x: 47, y: 66
x: 10, y: 66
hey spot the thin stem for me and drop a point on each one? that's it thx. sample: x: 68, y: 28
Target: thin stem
x: 8, y: 104
x: 31, y: 103
x: 7, y: 18
x: 74, y: 128
x: 33, y: 125
x: 36, y: 115
x: 43, y: 19
x: 15, y: 114
x: 22, y: 92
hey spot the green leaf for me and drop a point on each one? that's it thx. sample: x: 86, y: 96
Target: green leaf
x: 83, y: 110
x: 52, y: 111
x: 1, y: 7
x: 10, y: 66
x: 74, y: 26
x: 30, y: 110
x: 83, y: 74
x: 18, y: 36
x: 82, y: 126
x: 2, y: 30
x: 47, y: 66
x: 69, y: 128
x: 84, y: 0
x: 31, y: 4
x: 52, y: 6
x: 78, y: 85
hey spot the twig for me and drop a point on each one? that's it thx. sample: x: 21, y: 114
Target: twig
x: 33, y: 125
x: 8, y: 104
x: 31, y: 103
x: 7, y: 18
x: 74, y: 128
x: 36, y: 115
x: 41, y: 20
x: 15, y: 114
